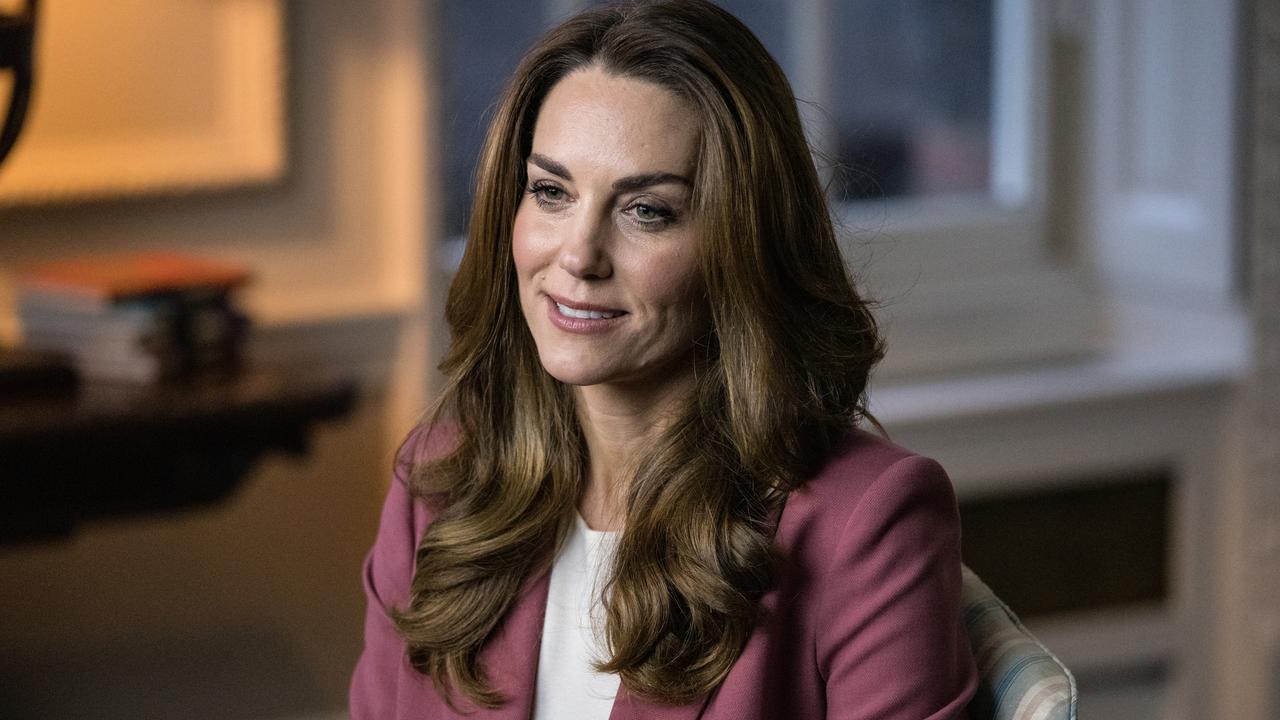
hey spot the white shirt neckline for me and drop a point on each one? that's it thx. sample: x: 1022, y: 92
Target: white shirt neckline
x: 573, y: 630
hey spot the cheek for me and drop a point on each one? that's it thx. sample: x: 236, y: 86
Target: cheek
x: 525, y: 252
x: 675, y: 281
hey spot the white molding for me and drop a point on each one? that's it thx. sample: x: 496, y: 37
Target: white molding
x: 975, y: 323
x: 1019, y: 94
x: 1151, y: 400
x: 1157, y: 351
x: 1163, y: 160
x: 1101, y: 641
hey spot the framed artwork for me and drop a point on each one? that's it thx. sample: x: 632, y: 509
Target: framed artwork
x: 141, y: 97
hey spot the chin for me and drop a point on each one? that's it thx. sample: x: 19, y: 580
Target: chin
x: 576, y: 373
x: 572, y: 368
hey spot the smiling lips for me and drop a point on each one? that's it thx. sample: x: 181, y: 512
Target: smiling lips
x: 582, y: 318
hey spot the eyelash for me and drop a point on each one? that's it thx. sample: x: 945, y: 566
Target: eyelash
x: 664, y: 217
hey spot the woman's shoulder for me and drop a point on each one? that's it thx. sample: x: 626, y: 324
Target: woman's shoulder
x: 868, y: 480
x: 865, y: 460
x: 405, y: 515
x: 873, y: 544
x: 424, y: 443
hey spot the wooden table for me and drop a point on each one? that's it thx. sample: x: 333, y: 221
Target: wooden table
x: 113, y: 450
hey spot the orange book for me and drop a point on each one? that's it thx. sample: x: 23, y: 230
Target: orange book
x: 109, y: 278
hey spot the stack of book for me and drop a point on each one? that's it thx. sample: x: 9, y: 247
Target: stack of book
x: 140, y: 318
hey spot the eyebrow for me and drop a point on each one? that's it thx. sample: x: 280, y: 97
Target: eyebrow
x: 626, y: 184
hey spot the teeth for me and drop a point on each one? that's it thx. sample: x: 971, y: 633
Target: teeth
x: 585, y: 314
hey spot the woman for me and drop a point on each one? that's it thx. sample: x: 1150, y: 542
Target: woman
x: 643, y: 493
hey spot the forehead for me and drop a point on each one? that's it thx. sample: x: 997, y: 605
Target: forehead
x: 592, y: 118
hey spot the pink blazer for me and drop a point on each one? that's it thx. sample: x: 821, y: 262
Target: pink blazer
x: 864, y: 621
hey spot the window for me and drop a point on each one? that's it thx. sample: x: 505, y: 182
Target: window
x: 897, y: 94
x: 905, y: 104
x: 933, y: 123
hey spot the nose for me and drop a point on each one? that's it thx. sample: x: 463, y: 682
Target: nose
x: 584, y: 253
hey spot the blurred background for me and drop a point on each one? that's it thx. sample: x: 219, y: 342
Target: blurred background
x: 1068, y: 211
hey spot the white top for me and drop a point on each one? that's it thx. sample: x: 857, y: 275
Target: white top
x: 573, y: 631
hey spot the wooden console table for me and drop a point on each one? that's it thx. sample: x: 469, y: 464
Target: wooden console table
x: 114, y: 450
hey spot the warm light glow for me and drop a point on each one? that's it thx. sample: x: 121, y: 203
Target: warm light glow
x: 132, y: 95
x: 129, y: 66
x: 6, y: 90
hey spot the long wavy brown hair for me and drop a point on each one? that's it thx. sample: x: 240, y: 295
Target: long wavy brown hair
x: 781, y: 375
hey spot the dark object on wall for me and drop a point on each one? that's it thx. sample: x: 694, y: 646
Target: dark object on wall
x: 17, y: 41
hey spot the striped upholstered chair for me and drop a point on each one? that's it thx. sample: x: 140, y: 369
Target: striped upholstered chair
x: 1019, y: 679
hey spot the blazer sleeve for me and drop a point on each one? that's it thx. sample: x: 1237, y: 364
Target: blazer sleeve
x: 891, y: 642
x: 388, y: 573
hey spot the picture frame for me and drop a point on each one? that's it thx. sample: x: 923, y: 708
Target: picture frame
x: 151, y: 97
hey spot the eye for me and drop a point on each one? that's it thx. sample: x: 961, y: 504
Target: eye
x: 546, y: 193
x: 646, y: 213
x: 651, y: 215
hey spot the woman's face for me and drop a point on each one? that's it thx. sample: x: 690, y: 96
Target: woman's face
x: 604, y: 243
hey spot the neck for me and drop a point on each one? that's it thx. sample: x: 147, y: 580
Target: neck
x: 619, y: 423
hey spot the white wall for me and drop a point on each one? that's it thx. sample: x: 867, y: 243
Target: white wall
x: 253, y: 608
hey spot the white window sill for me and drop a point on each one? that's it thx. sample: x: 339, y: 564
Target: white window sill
x: 1152, y: 351
x: 1150, y: 397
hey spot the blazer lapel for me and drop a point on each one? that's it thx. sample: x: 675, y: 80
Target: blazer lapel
x: 511, y: 656
x: 631, y: 707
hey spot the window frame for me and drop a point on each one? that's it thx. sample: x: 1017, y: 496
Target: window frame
x: 972, y: 274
